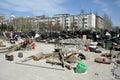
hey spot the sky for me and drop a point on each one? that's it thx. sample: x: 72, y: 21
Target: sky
x: 51, y: 7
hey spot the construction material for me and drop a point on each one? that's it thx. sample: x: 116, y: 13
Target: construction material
x: 62, y: 59
x: 107, y: 55
x: 111, y: 55
x: 72, y: 59
x: 51, y: 55
x: 20, y: 54
x: 74, y: 44
x: 60, y: 63
x: 43, y: 56
x: 81, y: 56
x: 9, y: 57
x: 66, y: 55
x: 13, y: 48
x: 38, y: 56
x: 102, y: 60
x: 2, y: 45
x: 57, y: 55
x: 38, y: 66
x: 97, y: 51
x: 27, y: 59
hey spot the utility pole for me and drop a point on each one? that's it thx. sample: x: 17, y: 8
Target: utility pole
x: 82, y: 14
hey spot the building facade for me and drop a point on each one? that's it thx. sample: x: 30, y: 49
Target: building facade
x: 2, y: 18
x: 99, y: 22
x: 66, y: 22
x: 79, y: 22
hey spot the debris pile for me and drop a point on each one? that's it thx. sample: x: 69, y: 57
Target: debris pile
x: 1, y: 44
x: 58, y: 58
x: 20, y: 46
x: 74, y: 44
x: 68, y: 51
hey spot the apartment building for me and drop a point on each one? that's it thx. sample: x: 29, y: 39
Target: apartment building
x: 2, y: 18
x: 63, y: 20
x: 68, y: 22
x: 99, y: 22
x: 78, y: 22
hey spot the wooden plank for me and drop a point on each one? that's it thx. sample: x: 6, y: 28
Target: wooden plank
x: 66, y: 55
x: 38, y: 66
x: 60, y: 63
x: 62, y: 59
x: 27, y: 59
x: 72, y: 59
x: 38, y: 56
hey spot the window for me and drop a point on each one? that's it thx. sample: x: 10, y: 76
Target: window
x: 75, y: 22
x: 85, y: 18
x: 66, y: 19
x: 66, y: 23
x: 85, y: 22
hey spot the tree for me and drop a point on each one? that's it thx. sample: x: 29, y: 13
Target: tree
x: 116, y: 28
x: 22, y: 24
x: 107, y: 22
x: 42, y: 26
x: 3, y: 27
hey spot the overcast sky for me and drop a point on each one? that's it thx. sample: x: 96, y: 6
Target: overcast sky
x: 51, y: 7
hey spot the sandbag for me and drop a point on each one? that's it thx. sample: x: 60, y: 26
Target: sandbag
x: 81, y: 67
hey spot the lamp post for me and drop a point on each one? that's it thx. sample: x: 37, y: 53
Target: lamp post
x: 12, y: 18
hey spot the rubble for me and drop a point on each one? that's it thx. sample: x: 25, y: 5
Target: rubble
x: 52, y: 60
x: 67, y: 51
x: 74, y: 44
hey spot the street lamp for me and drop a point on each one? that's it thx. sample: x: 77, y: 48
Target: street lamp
x: 12, y: 17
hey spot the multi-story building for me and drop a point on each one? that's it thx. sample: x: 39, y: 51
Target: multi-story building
x: 99, y: 22
x: 2, y: 18
x: 78, y: 22
x: 67, y: 22
x: 41, y: 22
x: 63, y: 20
x: 89, y: 21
